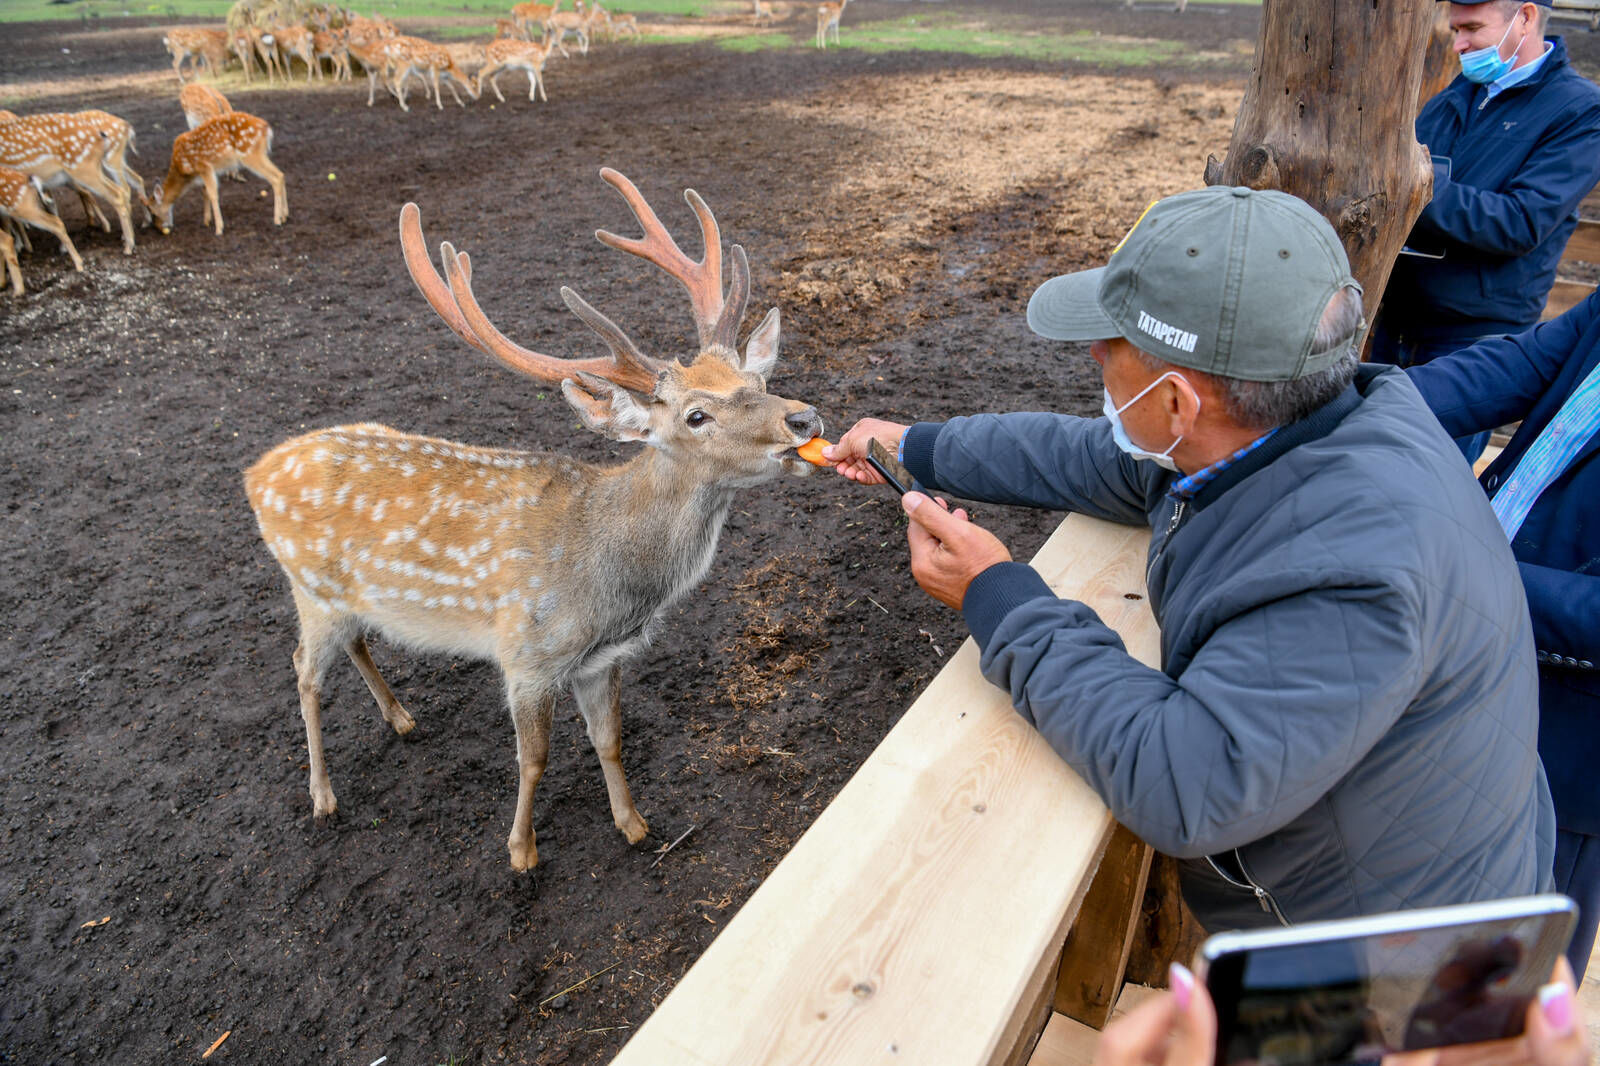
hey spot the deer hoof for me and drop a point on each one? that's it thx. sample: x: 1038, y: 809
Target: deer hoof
x: 634, y: 828
x: 402, y: 721
x: 524, y: 858
x: 323, y: 805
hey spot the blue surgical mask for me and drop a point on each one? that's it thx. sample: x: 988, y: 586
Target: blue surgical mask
x: 1119, y: 433
x: 1483, y: 66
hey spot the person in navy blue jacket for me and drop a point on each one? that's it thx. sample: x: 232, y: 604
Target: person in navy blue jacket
x: 1545, y: 488
x: 1515, y: 140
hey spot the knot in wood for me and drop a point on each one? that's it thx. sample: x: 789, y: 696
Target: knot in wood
x: 863, y: 990
x: 1259, y: 169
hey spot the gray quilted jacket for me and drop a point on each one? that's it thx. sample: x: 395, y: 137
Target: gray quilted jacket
x: 1345, y: 719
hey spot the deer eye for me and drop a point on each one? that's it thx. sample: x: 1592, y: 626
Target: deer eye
x: 696, y: 418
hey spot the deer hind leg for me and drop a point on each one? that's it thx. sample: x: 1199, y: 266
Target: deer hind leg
x: 263, y: 168
x: 532, y: 706
x: 8, y: 250
x: 92, y: 212
x: 321, y: 634
x: 599, y: 699
x: 51, y: 224
x: 393, y: 713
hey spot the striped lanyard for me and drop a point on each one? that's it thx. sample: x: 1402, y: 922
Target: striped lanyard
x: 1549, y: 455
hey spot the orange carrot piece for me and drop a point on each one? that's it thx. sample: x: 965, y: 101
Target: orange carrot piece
x: 811, y: 451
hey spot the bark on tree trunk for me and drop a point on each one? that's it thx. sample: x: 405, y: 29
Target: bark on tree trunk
x: 1328, y: 116
x: 1439, y: 63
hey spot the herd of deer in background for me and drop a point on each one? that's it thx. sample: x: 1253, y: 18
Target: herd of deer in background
x: 86, y: 151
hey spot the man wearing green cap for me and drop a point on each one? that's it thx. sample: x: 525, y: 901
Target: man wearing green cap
x: 1345, y: 717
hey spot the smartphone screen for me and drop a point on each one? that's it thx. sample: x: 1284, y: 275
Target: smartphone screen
x: 1355, y: 999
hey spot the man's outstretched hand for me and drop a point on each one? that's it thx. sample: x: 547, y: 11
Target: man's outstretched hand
x: 849, y: 456
x: 947, y: 550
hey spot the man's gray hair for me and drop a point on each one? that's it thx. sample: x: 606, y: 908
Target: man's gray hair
x: 1266, y: 404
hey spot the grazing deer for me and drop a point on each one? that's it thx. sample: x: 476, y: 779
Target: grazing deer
x: 266, y: 50
x: 555, y: 569
x: 375, y: 61
x: 330, y: 45
x: 577, y: 23
x: 218, y: 146
x: 24, y: 201
x: 528, y: 56
x: 508, y: 30
x: 201, y: 102
x: 828, y: 14
x: 413, y: 55
x: 207, y: 48
x: 762, y: 12
x: 77, y: 150
x: 529, y: 15
x: 294, y: 42
x: 617, y: 25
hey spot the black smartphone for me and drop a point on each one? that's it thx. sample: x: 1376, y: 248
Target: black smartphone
x: 1350, y: 991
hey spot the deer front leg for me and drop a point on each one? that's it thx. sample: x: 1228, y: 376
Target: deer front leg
x: 210, y: 178
x: 532, y: 706
x: 311, y: 658
x: 438, y: 97
x: 52, y: 224
x: 599, y: 699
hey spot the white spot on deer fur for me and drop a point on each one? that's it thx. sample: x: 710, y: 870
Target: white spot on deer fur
x: 279, y: 504
x: 312, y: 496
x: 547, y: 605
x: 534, y: 581
x: 470, y: 603
x: 412, y: 596
x: 557, y: 552
x: 341, y: 495
x: 427, y: 546
x: 378, y: 509
x: 447, y: 600
x: 407, y: 470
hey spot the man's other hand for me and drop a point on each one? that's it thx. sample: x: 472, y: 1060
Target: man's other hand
x: 947, y: 550
x: 849, y: 456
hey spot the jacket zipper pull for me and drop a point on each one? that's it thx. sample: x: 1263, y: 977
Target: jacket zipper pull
x: 1177, y: 516
x: 1261, y: 898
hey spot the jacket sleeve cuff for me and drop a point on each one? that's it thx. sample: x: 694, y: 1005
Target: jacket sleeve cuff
x: 917, y: 450
x: 995, y: 592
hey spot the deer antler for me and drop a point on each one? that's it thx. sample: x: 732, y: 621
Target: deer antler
x: 455, y: 303
x: 717, y: 320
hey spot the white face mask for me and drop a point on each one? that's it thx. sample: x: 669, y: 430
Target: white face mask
x: 1119, y: 433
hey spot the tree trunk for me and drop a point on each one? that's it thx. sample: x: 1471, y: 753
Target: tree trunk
x: 1439, y: 63
x: 1329, y: 116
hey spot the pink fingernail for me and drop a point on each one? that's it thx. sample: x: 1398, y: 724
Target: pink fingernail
x: 1182, y: 984
x: 1555, y: 1001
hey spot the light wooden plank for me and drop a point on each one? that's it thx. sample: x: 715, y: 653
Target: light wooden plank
x: 1584, y: 244
x: 1565, y: 294
x: 917, y: 920
x: 1068, y: 1042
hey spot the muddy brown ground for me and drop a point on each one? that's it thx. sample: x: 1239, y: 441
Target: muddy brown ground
x: 163, y: 880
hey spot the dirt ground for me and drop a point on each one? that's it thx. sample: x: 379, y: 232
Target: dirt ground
x: 164, y: 882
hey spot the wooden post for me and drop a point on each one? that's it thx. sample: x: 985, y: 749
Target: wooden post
x: 1096, y: 953
x: 1328, y: 116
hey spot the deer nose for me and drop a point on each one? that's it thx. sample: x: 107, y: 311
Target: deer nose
x: 805, y: 424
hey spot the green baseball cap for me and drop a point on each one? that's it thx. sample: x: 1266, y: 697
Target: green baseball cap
x: 1230, y: 281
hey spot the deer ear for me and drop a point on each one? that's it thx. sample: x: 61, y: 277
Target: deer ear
x: 761, y: 350
x: 607, y: 409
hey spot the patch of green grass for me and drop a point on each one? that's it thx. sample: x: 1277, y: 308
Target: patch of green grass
x: 955, y: 32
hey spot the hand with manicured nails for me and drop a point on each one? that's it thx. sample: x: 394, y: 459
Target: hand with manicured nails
x: 1176, y: 1028
x: 947, y: 550
x: 1179, y: 1028
x: 849, y: 456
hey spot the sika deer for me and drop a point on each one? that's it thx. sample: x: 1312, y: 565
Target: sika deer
x: 82, y: 150
x: 23, y: 200
x: 220, y: 146
x: 557, y: 570
x: 201, y: 102
x: 503, y: 55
